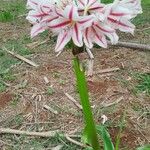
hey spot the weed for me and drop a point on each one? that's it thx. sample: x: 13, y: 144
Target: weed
x: 62, y: 82
x: 6, y: 16
x: 50, y: 91
x: 15, y: 101
x: 56, y: 74
x: 11, y: 10
x: 143, y: 83
x: 2, y: 87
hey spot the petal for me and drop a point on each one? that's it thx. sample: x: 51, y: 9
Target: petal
x: 88, y: 38
x: 77, y: 35
x: 99, y: 39
x: 133, y: 5
x: 81, y: 3
x: 63, y: 38
x: 95, y: 5
x: 71, y: 12
x: 86, y: 21
x: 108, y: 31
x: 32, y: 4
x: 59, y: 23
x: 36, y: 14
x: 123, y: 25
x: 36, y: 29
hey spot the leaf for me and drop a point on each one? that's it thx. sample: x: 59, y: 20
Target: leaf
x: 146, y: 147
x: 108, y: 145
x: 90, y: 134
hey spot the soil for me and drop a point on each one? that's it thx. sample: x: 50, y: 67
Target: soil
x: 103, y: 88
x: 5, y: 99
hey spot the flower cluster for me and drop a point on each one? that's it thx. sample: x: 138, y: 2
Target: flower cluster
x: 85, y: 22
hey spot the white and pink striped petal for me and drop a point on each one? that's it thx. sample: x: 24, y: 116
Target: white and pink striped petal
x: 63, y: 38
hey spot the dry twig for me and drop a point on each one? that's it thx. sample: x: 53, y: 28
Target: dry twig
x: 133, y: 45
x: 36, y: 44
x: 74, y: 101
x: 57, y: 147
x: 75, y: 142
x: 107, y: 70
x: 50, y: 109
x: 113, y: 103
x: 21, y: 58
x: 41, y: 134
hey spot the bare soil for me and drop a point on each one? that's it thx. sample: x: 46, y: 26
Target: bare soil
x: 103, y: 88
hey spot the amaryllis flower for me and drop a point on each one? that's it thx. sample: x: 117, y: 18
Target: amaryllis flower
x: 97, y: 33
x: 39, y: 11
x: 70, y: 26
x: 120, y: 13
x: 83, y: 21
x: 133, y: 5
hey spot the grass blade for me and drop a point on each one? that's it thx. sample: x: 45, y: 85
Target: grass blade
x: 108, y: 145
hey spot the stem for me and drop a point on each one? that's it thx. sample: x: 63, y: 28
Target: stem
x: 84, y: 98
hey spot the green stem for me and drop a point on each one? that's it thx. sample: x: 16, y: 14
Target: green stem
x: 84, y: 97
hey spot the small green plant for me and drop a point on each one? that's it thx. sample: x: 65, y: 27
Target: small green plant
x: 11, y: 10
x: 15, y: 101
x: 6, y: 16
x: 146, y: 147
x: 2, y: 87
x: 143, y: 83
x: 50, y: 90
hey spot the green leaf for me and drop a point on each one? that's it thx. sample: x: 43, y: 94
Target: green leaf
x: 90, y: 134
x: 108, y: 145
x: 146, y: 147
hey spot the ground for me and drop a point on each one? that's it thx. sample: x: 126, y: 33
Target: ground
x: 24, y: 92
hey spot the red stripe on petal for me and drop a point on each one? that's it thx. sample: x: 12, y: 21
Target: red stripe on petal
x: 84, y: 21
x: 86, y: 35
x: 71, y: 13
x: 93, y: 3
x: 99, y: 38
x: 34, y: 2
x: 95, y: 8
x: 52, y: 19
x: 118, y: 14
x: 81, y: 2
x: 104, y: 30
x: 63, y: 38
x: 60, y: 24
x: 76, y: 31
x: 118, y: 22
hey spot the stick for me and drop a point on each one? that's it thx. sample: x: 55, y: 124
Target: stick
x: 74, y: 101
x: 57, y: 147
x: 50, y: 109
x: 113, y: 103
x: 91, y: 62
x: 140, y: 30
x: 36, y: 44
x: 107, y: 70
x: 75, y: 142
x: 22, y: 58
x: 133, y: 45
x: 40, y: 134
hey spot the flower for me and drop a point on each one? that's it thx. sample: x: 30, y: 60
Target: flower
x: 97, y: 33
x: 83, y: 21
x: 119, y: 14
x: 39, y: 11
x: 70, y: 26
